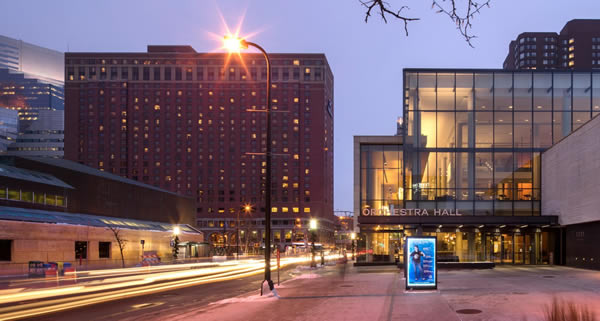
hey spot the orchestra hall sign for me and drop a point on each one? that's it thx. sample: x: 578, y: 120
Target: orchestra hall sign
x: 410, y: 212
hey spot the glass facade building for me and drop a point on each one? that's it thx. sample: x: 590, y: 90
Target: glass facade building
x: 467, y: 166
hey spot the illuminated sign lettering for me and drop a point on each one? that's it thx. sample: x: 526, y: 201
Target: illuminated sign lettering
x: 410, y: 212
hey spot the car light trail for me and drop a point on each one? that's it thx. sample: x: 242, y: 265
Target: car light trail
x: 129, y: 286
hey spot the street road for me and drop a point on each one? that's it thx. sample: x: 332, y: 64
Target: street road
x: 110, y: 293
x: 159, y: 306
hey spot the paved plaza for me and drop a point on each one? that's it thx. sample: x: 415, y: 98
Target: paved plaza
x: 377, y: 293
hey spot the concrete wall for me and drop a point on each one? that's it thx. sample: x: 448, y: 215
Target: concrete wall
x: 571, y: 176
x: 56, y: 243
x: 582, y: 245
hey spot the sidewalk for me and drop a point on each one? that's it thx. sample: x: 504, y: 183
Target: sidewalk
x: 377, y: 293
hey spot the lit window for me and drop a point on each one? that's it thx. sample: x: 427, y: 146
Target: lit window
x: 296, y: 156
x: 296, y: 62
x: 307, y: 210
x: 295, y: 209
x: 274, y: 209
x: 572, y: 40
x: 307, y: 70
x: 284, y: 209
x: 156, y: 107
x: 296, y: 99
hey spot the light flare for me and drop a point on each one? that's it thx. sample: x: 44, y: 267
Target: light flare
x: 231, y: 40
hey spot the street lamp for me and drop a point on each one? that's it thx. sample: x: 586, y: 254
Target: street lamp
x: 247, y: 208
x: 234, y: 44
x: 312, y: 225
x: 353, y: 237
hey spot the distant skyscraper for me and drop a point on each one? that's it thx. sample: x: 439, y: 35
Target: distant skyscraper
x: 34, y: 61
x: 43, y: 136
x: 194, y: 123
x: 576, y: 47
x: 31, y: 82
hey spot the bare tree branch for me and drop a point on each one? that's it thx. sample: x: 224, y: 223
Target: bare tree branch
x: 384, y: 9
x: 121, y: 242
x: 463, y: 22
x: 448, y: 7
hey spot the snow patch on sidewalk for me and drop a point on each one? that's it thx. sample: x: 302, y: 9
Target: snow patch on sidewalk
x: 246, y: 299
x: 307, y: 276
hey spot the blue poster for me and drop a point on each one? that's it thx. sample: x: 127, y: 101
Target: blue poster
x: 421, y: 262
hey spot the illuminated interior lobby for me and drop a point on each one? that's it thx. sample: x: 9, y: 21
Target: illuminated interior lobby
x: 465, y: 165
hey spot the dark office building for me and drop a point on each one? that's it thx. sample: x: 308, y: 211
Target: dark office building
x: 47, y: 183
x: 576, y: 47
x: 55, y: 210
x: 194, y: 123
x: 468, y: 167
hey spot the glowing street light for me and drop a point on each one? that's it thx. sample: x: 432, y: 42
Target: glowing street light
x: 312, y: 226
x: 235, y: 44
x: 175, y: 241
x: 247, y: 208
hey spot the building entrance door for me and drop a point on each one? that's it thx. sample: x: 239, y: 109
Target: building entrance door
x: 507, y: 248
x: 520, y: 250
x: 494, y: 248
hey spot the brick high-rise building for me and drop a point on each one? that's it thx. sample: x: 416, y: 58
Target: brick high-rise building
x: 194, y: 123
x: 577, y: 47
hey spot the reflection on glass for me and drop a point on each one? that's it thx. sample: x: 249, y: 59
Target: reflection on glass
x: 476, y: 137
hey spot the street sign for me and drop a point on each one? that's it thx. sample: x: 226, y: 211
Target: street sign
x: 420, y: 262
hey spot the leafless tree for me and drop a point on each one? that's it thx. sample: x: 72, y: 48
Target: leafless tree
x: 462, y: 14
x: 121, y: 242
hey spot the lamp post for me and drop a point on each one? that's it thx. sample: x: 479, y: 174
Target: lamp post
x: 353, y: 237
x: 234, y: 44
x: 247, y: 209
x: 313, y: 228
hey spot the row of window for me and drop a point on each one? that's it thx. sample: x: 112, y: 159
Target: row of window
x: 81, y: 250
x: 215, y: 62
x: 245, y: 223
x: 32, y: 197
x: 188, y: 74
x: 232, y: 210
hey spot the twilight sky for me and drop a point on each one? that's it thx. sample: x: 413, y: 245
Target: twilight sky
x: 366, y: 59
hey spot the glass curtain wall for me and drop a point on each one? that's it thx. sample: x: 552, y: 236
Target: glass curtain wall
x: 381, y: 178
x: 473, y: 139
